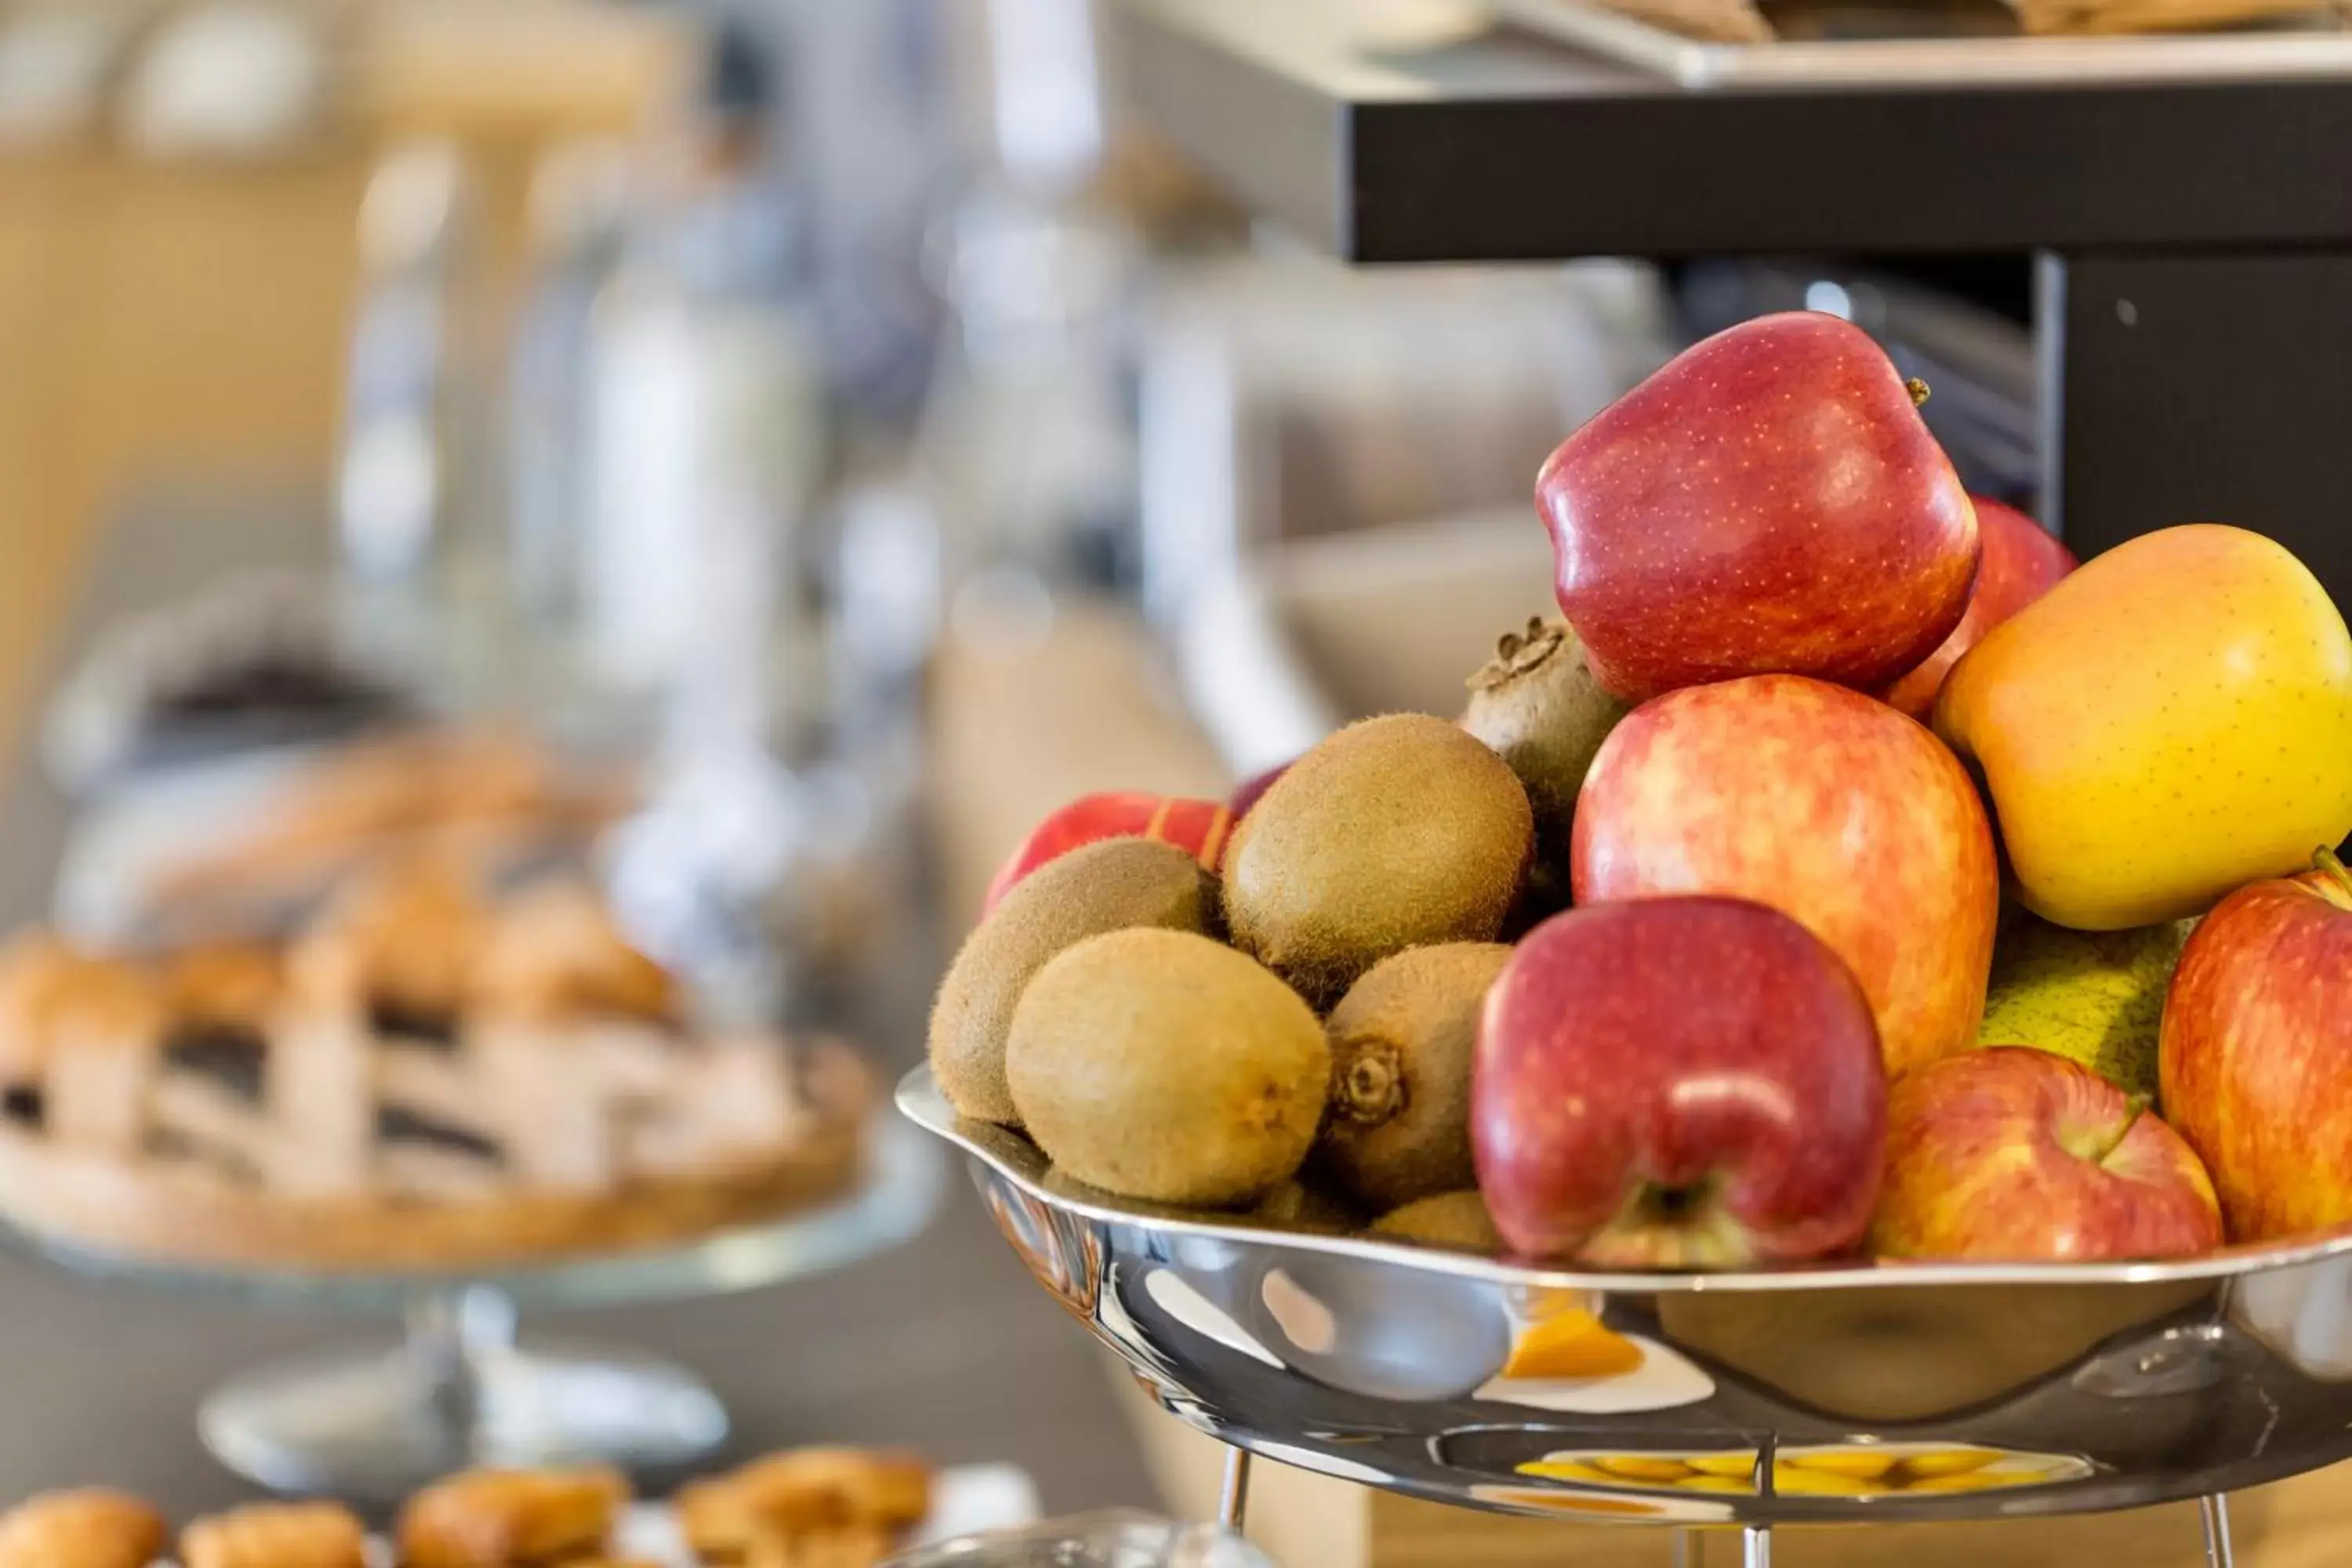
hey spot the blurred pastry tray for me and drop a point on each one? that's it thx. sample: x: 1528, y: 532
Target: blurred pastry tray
x: 966, y: 1500
x: 2316, y: 46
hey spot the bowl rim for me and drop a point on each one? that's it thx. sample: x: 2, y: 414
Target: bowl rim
x: 919, y: 1100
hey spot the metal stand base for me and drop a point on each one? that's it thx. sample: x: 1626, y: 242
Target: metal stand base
x: 1233, y: 1503
x: 458, y: 1392
x: 1689, y: 1546
x: 2215, y: 1513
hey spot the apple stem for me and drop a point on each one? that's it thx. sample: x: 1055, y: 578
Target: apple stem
x: 2323, y: 859
x: 1918, y: 391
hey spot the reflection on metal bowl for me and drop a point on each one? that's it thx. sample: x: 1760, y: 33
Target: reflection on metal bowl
x: 1852, y: 1391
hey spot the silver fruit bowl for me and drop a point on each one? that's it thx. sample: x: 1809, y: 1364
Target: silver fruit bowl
x: 1839, y: 1393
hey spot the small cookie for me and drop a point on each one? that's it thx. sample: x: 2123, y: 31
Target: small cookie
x: 276, y: 1535
x: 825, y: 1486
x: 87, y: 1528
x: 803, y: 1494
x: 858, y: 1546
x: 512, y: 1519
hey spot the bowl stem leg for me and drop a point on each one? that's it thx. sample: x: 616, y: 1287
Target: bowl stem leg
x: 1756, y: 1546
x: 1690, y: 1548
x: 1233, y: 1503
x: 2215, y: 1511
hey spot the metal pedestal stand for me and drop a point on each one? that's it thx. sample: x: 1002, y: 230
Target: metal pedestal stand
x: 1690, y: 1546
x: 459, y: 1389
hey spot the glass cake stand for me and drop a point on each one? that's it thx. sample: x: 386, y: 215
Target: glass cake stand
x: 461, y: 1389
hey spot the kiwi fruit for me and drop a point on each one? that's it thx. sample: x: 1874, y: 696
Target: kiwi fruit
x: 1401, y: 1040
x: 1545, y: 892
x: 1163, y: 1065
x: 1104, y: 886
x: 1288, y: 1206
x: 1537, y: 706
x: 1306, y: 1206
x: 1455, y: 1220
x: 1396, y: 832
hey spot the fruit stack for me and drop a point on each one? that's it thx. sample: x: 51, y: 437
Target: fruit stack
x: 1844, y: 874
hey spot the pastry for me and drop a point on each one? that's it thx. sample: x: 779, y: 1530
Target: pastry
x: 512, y: 1519
x: 491, y: 797
x: 51, y: 991
x: 362, y: 1103
x: 854, y: 1546
x: 406, y: 935
x: 801, y: 1498
x: 87, y: 1528
x: 556, y: 952
x: 276, y: 1535
x: 228, y: 987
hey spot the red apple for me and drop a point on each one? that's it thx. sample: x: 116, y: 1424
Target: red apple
x: 1199, y: 826
x: 1677, y: 1083
x: 1245, y: 794
x: 2254, y: 1058
x: 1770, y: 500
x: 2014, y: 1155
x: 2023, y: 561
x: 1829, y: 806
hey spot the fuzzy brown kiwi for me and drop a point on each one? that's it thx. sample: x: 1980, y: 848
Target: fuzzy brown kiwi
x: 1110, y: 885
x: 1537, y: 706
x: 1401, y: 1040
x: 1306, y: 1206
x: 1163, y: 1065
x: 1457, y: 1220
x: 1289, y: 1205
x: 1394, y: 833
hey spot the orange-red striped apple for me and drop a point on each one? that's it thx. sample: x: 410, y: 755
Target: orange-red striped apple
x: 1197, y: 826
x: 2254, y: 1057
x: 1825, y: 804
x: 2012, y: 1154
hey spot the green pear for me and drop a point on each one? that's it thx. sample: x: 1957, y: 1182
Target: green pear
x: 2093, y: 997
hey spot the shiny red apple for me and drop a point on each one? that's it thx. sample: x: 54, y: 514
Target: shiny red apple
x: 1771, y: 500
x: 2014, y: 1155
x: 2023, y: 561
x: 1677, y: 1083
x: 1246, y: 792
x: 1829, y: 806
x: 2254, y: 1059
x: 1200, y: 827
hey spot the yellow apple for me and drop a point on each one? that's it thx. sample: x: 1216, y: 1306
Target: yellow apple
x: 2171, y: 721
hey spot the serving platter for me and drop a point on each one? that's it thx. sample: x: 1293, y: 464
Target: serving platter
x: 1843, y: 1394
x: 2298, y: 48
